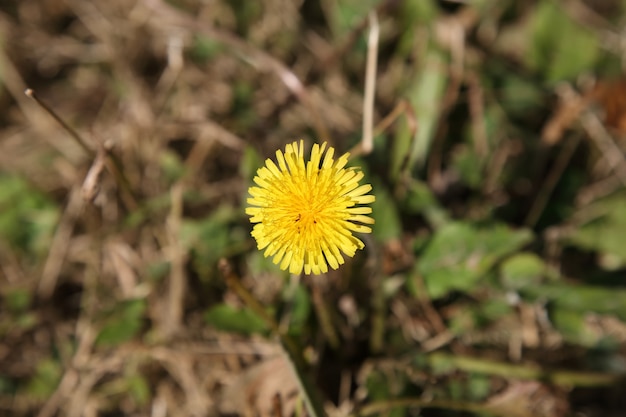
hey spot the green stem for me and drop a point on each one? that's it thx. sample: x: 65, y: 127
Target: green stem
x: 525, y: 371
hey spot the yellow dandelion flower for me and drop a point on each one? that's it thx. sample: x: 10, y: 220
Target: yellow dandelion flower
x: 305, y: 213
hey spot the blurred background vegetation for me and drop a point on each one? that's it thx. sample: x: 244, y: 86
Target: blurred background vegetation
x: 494, y: 282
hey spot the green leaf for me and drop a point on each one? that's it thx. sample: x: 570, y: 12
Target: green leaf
x: 27, y: 217
x: 491, y: 310
x: 385, y: 213
x: 158, y: 270
x: 469, y: 165
x: 414, y: 16
x: 259, y: 264
x: 460, y: 255
x: 479, y: 316
x: 571, y: 325
x: 26, y: 321
x: 46, y: 379
x: 560, y: 48
x: 421, y: 200
x: 250, y: 163
x: 300, y: 310
x: 605, y: 230
x: 230, y: 319
x: 212, y: 238
x: 385, y: 384
x: 346, y: 14
x: 520, y: 96
x: 522, y: 270
x: 425, y: 94
x: 138, y: 389
x: 122, y: 323
x: 204, y: 49
x: 18, y: 300
x: 246, y: 13
x: 581, y: 298
x: 7, y: 386
x: 423, y: 12
x: 171, y: 165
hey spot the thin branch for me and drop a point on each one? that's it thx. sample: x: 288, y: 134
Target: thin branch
x: 173, y: 312
x: 60, y: 243
x: 73, y: 133
x: 525, y: 371
x: 610, y: 151
x: 367, y: 142
x: 112, y: 163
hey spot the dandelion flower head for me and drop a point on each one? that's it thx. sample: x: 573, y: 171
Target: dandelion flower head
x: 305, y: 213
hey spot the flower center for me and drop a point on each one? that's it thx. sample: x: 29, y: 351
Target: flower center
x: 307, y: 218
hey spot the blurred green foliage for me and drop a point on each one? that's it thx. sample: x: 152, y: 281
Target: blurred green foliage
x: 47, y: 376
x: 386, y: 215
x: 522, y: 270
x: 27, y: 216
x: 216, y: 236
x: 602, y: 230
x: 122, y: 322
x: 460, y: 255
x: 230, y: 319
x: 559, y: 48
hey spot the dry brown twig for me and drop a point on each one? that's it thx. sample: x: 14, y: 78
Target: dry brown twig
x: 605, y: 143
x: 570, y: 106
x: 16, y: 86
x: 181, y: 367
x: 73, y: 134
x: 599, y: 189
x: 173, y: 311
x: 82, y: 370
x: 367, y: 142
x: 60, y: 244
x: 258, y: 58
x: 76, y: 384
x: 441, y: 335
x: 103, y: 157
x: 576, y: 106
x: 175, y: 65
x: 91, y: 184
